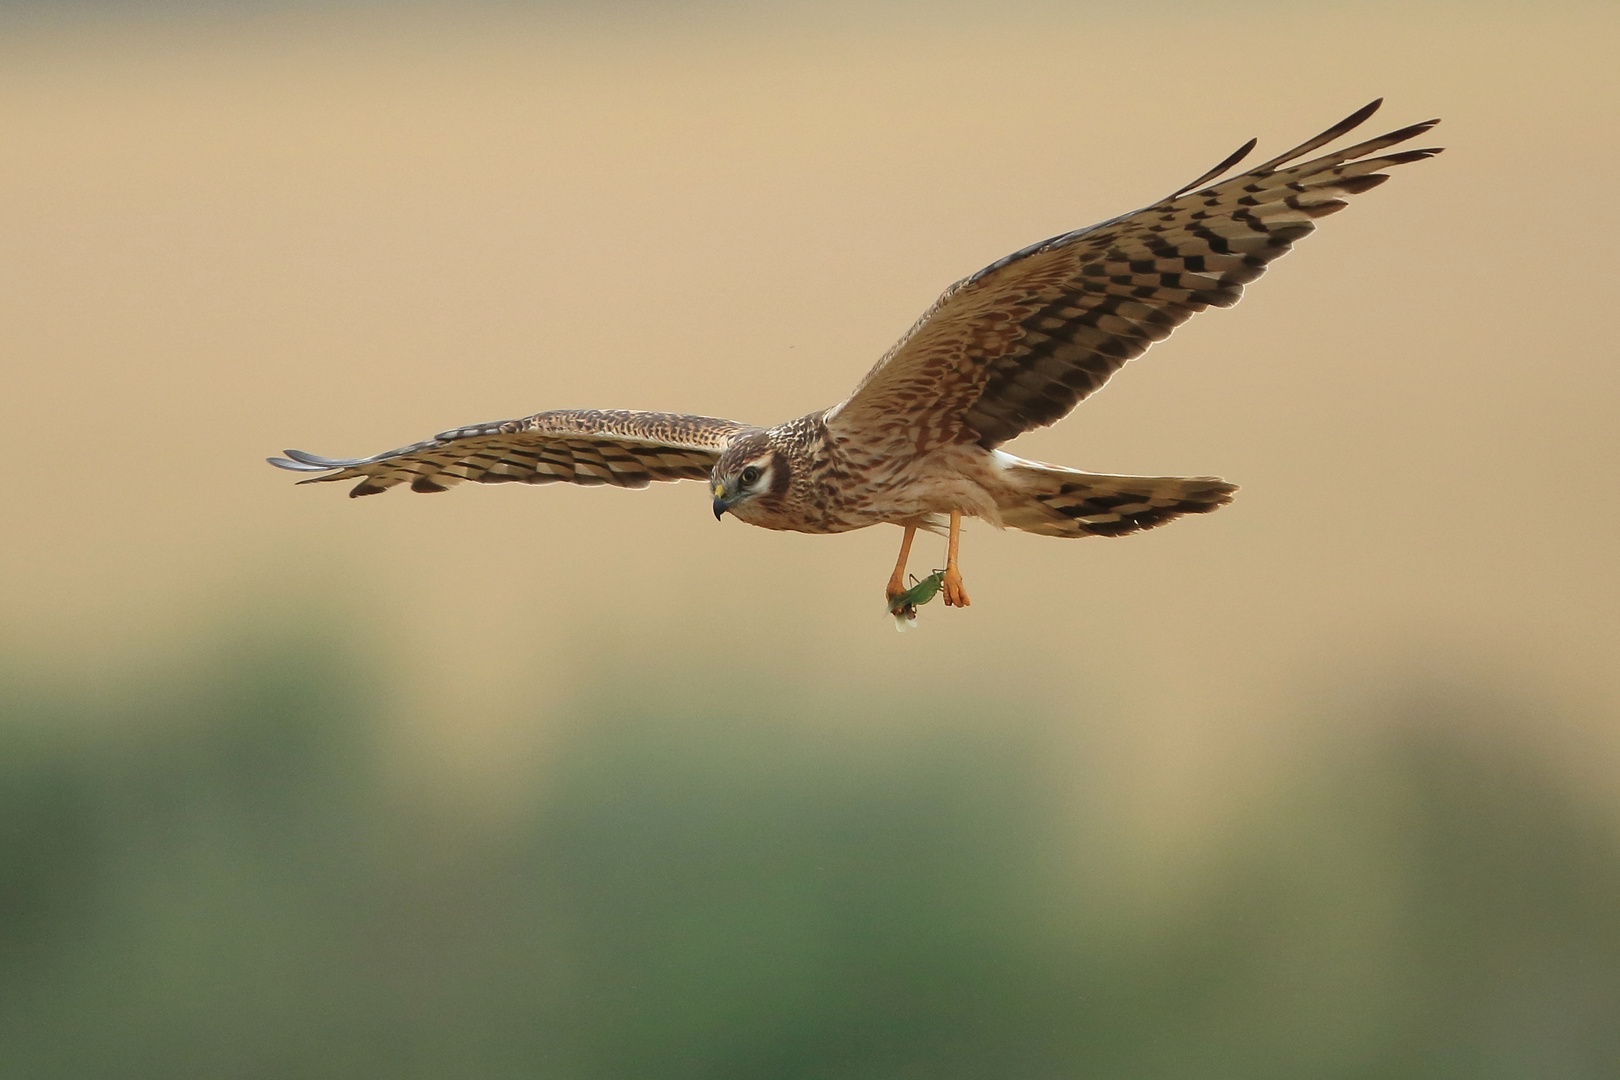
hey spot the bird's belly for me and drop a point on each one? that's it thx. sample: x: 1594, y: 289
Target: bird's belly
x: 822, y: 520
x: 963, y: 479
x: 944, y: 495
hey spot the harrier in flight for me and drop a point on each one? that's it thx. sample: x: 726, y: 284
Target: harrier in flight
x: 1011, y: 348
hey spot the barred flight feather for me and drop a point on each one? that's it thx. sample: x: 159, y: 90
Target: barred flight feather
x: 1055, y: 501
x: 1020, y: 343
x: 586, y: 447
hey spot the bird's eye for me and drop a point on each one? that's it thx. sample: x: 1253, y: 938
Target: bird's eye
x: 749, y: 475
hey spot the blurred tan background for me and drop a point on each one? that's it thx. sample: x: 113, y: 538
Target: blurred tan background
x: 230, y: 231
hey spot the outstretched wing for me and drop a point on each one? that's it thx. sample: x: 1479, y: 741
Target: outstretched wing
x: 575, y: 446
x: 1018, y: 344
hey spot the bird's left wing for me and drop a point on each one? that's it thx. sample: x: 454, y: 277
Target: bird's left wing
x: 575, y: 446
x: 1021, y: 342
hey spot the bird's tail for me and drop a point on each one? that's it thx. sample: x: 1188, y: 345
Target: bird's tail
x: 1055, y: 501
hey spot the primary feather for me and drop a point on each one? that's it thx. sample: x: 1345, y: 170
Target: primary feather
x: 575, y: 446
x: 1020, y: 343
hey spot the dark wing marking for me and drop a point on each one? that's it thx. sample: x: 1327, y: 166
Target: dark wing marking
x: 575, y: 446
x: 1021, y: 342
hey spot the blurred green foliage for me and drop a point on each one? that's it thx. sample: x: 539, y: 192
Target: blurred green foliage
x: 215, y: 879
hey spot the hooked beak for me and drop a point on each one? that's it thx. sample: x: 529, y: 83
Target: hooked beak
x: 721, y: 503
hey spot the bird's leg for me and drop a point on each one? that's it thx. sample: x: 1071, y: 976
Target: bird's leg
x: 897, y: 581
x: 955, y: 595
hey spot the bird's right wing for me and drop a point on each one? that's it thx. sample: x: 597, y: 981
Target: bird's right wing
x: 575, y: 446
x: 1018, y: 344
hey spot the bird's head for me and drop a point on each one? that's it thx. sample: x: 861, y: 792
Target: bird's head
x: 750, y: 468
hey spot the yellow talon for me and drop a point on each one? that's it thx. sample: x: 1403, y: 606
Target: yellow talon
x: 897, y: 580
x: 955, y: 594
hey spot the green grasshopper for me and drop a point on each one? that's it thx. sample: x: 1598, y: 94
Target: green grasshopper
x: 904, y: 607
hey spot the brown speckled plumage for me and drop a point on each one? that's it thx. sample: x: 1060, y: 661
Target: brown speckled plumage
x: 576, y: 446
x: 1010, y: 348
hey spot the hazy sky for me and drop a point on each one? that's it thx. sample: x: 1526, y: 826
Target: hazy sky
x: 342, y: 231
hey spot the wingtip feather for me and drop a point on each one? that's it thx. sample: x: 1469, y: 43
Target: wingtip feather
x: 1357, y: 118
x: 1230, y: 160
x: 318, y: 462
x: 1349, y: 123
x: 294, y: 466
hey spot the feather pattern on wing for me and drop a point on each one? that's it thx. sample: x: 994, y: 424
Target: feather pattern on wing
x: 1020, y: 343
x: 576, y: 446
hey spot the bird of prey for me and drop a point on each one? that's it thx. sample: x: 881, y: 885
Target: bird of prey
x: 1010, y: 348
